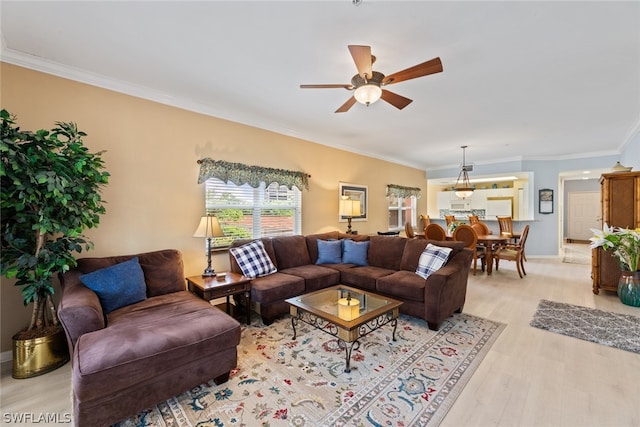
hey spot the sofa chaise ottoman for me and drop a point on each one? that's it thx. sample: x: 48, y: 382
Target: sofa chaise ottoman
x: 138, y: 355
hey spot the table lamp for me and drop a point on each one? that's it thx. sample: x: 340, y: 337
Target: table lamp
x: 349, y: 208
x: 209, y: 228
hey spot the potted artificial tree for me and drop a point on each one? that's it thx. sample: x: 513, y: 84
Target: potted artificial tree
x: 50, y: 193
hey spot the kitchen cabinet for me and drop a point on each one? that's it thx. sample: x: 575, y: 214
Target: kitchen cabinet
x: 478, y: 200
x: 444, y: 199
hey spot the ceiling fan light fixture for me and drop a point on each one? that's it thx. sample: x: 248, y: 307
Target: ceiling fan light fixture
x: 367, y: 84
x: 463, y: 187
x: 368, y: 93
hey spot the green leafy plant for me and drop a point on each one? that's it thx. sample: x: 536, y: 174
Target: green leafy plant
x: 624, y: 242
x: 50, y: 192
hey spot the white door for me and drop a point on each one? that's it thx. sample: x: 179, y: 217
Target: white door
x: 583, y: 214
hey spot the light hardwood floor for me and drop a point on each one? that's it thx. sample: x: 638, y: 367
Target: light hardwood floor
x: 530, y: 377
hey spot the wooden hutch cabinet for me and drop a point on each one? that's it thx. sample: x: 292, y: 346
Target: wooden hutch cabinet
x: 620, y: 200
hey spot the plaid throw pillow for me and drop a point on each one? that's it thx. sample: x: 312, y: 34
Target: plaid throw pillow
x: 253, y: 260
x: 432, y: 258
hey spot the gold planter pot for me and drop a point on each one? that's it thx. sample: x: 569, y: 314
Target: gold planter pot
x: 37, y: 356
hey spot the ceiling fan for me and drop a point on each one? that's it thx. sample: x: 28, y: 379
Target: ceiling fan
x: 368, y: 84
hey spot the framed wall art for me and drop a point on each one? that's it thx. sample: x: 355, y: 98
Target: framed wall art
x: 354, y: 192
x: 545, y: 201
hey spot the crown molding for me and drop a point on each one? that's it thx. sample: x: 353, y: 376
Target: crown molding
x: 94, y: 79
x: 631, y: 135
x: 35, y: 63
x: 46, y: 66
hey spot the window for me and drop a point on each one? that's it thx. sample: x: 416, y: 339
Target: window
x: 401, y: 211
x: 245, y: 212
x: 402, y: 205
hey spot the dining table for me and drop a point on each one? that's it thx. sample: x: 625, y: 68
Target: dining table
x: 489, y: 241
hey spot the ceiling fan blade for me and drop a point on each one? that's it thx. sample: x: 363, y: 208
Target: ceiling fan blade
x: 362, y: 57
x: 337, y: 86
x: 394, y: 99
x: 345, y: 107
x: 430, y: 67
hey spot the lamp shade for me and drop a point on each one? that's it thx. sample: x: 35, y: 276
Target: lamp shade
x: 349, y: 207
x: 209, y: 227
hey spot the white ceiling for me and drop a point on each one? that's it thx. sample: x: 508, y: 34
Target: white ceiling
x: 521, y: 80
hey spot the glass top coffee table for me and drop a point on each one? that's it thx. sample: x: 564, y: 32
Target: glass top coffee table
x: 346, y: 313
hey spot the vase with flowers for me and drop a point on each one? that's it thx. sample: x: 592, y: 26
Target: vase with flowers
x: 452, y: 227
x: 625, y: 244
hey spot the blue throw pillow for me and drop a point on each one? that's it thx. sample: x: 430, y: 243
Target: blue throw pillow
x: 253, y: 260
x: 432, y: 258
x: 329, y: 252
x: 355, y: 252
x: 117, y: 286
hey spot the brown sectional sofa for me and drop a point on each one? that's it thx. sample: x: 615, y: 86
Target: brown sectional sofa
x: 146, y: 352
x: 392, y: 262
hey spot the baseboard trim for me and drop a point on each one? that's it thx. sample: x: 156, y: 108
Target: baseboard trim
x: 568, y: 240
x: 543, y: 256
x: 6, y: 356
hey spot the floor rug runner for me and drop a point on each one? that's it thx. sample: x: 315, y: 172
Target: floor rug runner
x: 412, y: 381
x: 612, y: 329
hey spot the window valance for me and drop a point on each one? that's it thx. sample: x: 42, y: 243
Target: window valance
x: 402, y: 191
x: 240, y: 174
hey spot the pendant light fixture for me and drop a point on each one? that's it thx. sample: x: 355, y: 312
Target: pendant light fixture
x: 463, y: 187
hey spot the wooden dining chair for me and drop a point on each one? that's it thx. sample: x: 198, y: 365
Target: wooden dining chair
x: 506, y: 227
x: 466, y: 233
x: 513, y: 252
x: 434, y: 231
x: 505, y: 224
x: 408, y: 230
x: 481, y: 228
x: 425, y: 221
x: 449, y: 219
x: 473, y: 219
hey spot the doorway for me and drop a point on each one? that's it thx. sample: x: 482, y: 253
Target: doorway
x: 579, y: 213
x: 583, y: 214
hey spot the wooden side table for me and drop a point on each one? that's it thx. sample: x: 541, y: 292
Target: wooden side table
x: 209, y: 288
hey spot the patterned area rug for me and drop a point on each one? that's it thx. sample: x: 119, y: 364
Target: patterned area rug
x: 280, y: 381
x: 615, y: 330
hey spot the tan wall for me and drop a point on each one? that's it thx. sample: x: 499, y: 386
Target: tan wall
x: 153, y: 199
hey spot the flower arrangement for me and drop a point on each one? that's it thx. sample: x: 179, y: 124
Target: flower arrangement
x: 452, y: 227
x: 624, y: 242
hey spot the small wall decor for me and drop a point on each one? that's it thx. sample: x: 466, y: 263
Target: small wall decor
x: 545, y: 201
x: 355, y: 192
